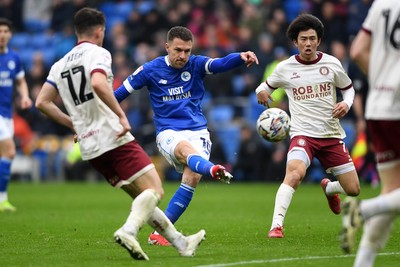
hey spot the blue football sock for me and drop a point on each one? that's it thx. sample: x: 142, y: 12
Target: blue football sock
x: 5, y: 173
x: 199, y: 164
x: 179, y: 202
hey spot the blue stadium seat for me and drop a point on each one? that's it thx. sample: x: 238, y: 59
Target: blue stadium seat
x: 221, y: 115
x: 229, y: 137
x: 253, y: 109
x: 19, y: 41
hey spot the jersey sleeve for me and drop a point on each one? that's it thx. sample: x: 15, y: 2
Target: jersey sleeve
x: 371, y: 18
x: 137, y: 79
x: 274, y: 80
x: 342, y: 80
x: 101, y: 62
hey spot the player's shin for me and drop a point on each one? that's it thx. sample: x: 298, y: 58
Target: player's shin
x: 142, y: 208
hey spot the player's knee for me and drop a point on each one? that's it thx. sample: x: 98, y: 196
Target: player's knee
x: 354, y: 190
x: 293, y: 178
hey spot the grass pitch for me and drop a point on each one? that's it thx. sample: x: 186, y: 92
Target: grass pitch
x: 72, y: 224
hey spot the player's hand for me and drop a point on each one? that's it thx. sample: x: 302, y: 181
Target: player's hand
x: 126, y: 127
x: 76, y: 138
x: 340, y: 110
x: 26, y: 102
x: 263, y: 98
x: 249, y: 58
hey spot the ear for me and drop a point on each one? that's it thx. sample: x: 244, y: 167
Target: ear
x: 295, y: 43
x: 166, y: 46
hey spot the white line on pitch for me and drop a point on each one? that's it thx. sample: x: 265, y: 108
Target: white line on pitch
x: 289, y: 259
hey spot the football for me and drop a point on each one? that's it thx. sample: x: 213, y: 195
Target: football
x: 273, y: 124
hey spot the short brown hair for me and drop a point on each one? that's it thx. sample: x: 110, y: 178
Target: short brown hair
x: 6, y: 22
x: 87, y: 18
x: 179, y: 32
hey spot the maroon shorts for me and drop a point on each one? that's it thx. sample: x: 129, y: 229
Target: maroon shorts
x: 385, y: 136
x: 122, y: 164
x: 331, y: 152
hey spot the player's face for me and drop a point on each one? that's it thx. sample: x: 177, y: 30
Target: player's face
x: 5, y: 35
x: 179, y: 52
x: 307, y: 42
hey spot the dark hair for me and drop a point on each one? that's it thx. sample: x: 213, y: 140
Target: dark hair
x: 87, y: 18
x: 305, y: 22
x: 6, y: 22
x: 179, y: 32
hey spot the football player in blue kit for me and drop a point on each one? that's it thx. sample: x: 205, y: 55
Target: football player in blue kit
x: 11, y: 73
x: 176, y: 89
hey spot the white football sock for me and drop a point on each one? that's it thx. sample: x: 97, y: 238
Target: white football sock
x: 3, y: 196
x: 382, y: 204
x: 163, y: 225
x: 333, y: 188
x: 376, y: 233
x: 282, y: 201
x: 142, y: 208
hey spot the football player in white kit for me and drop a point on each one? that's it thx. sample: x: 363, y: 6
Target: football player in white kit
x: 376, y: 50
x: 310, y: 80
x: 83, y: 79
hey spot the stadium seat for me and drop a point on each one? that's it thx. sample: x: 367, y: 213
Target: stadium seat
x: 19, y: 41
x: 221, y: 115
x: 229, y: 137
x: 253, y: 109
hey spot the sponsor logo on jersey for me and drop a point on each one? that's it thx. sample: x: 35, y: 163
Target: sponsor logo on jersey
x: 185, y: 76
x: 162, y: 81
x: 138, y: 70
x: 312, y: 91
x: 295, y: 75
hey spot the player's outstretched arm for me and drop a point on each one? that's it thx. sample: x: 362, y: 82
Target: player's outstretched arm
x: 232, y: 61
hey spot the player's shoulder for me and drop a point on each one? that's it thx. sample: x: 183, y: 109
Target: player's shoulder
x: 327, y: 58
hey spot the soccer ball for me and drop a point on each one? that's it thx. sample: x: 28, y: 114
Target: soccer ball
x: 273, y: 124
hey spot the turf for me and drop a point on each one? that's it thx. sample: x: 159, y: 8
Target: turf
x: 72, y: 224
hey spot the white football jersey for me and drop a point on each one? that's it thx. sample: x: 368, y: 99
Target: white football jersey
x: 311, y: 89
x: 94, y: 122
x: 383, y: 23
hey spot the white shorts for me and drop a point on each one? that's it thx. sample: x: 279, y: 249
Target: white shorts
x: 168, y: 140
x: 6, y: 128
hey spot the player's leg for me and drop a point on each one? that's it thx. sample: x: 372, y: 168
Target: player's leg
x: 376, y: 234
x: 335, y: 158
x: 7, y: 153
x: 295, y: 171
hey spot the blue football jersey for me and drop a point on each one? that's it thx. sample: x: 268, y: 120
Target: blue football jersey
x: 175, y: 94
x: 10, y: 69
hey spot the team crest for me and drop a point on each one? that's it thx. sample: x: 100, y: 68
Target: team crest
x: 185, y: 76
x: 301, y: 142
x: 170, y: 139
x: 11, y: 64
x: 324, y: 71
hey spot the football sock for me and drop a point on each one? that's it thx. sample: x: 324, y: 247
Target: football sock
x: 333, y: 188
x: 376, y: 233
x: 282, y: 202
x: 179, y: 202
x: 142, y: 208
x: 199, y: 164
x: 5, y: 173
x: 382, y: 204
x: 161, y: 224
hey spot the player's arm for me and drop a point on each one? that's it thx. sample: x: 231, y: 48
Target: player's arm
x: 343, y: 107
x: 360, y: 50
x: 121, y: 93
x: 105, y: 93
x: 232, y: 61
x: 23, y: 91
x: 45, y: 103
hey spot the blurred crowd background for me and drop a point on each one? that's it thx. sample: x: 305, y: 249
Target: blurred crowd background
x: 136, y: 33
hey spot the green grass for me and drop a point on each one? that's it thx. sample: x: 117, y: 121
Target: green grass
x: 73, y: 224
